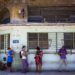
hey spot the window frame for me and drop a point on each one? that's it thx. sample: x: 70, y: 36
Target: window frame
x: 72, y: 39
x: 5, y: 43
x: 38, y: 41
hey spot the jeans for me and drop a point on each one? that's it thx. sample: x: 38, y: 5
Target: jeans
x: 25, y: 65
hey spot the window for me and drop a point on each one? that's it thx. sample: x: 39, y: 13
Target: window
x: 4, y: 41
x: 1, y: 41
x: 37, y: 39
x: 69, y: 40
x: 54, y: 14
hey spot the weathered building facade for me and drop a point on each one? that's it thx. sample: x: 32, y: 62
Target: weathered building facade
x: 49, y: 24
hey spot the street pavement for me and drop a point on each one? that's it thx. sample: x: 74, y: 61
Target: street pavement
x: 42, y: 73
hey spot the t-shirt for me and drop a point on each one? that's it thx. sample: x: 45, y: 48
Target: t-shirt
x: 23, y: 55
x: 10, y: 57
x: 62, y: 53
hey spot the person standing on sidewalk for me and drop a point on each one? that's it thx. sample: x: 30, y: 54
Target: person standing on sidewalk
x: 23, y: 56
x: 62, y: 53
x: 38, y: 59
x: 10, y: 55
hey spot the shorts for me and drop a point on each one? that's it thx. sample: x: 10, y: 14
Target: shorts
x: 39, y: 62
x: 9, y: 64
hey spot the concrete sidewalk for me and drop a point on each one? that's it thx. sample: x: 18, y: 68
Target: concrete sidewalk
x: 34, y: 73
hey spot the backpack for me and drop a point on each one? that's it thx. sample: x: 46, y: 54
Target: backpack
x: 20, y: 54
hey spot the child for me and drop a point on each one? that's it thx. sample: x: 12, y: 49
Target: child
x: 38, y: 59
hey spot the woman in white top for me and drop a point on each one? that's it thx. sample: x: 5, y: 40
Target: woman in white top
x: 24, y: 59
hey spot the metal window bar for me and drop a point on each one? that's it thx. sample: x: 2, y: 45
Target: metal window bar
x: 0, y: 42
x: 27, y: 42
x: 73, y: 43
x: 56, y: 43
x: 5, y: 42
x: 38, y: 39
